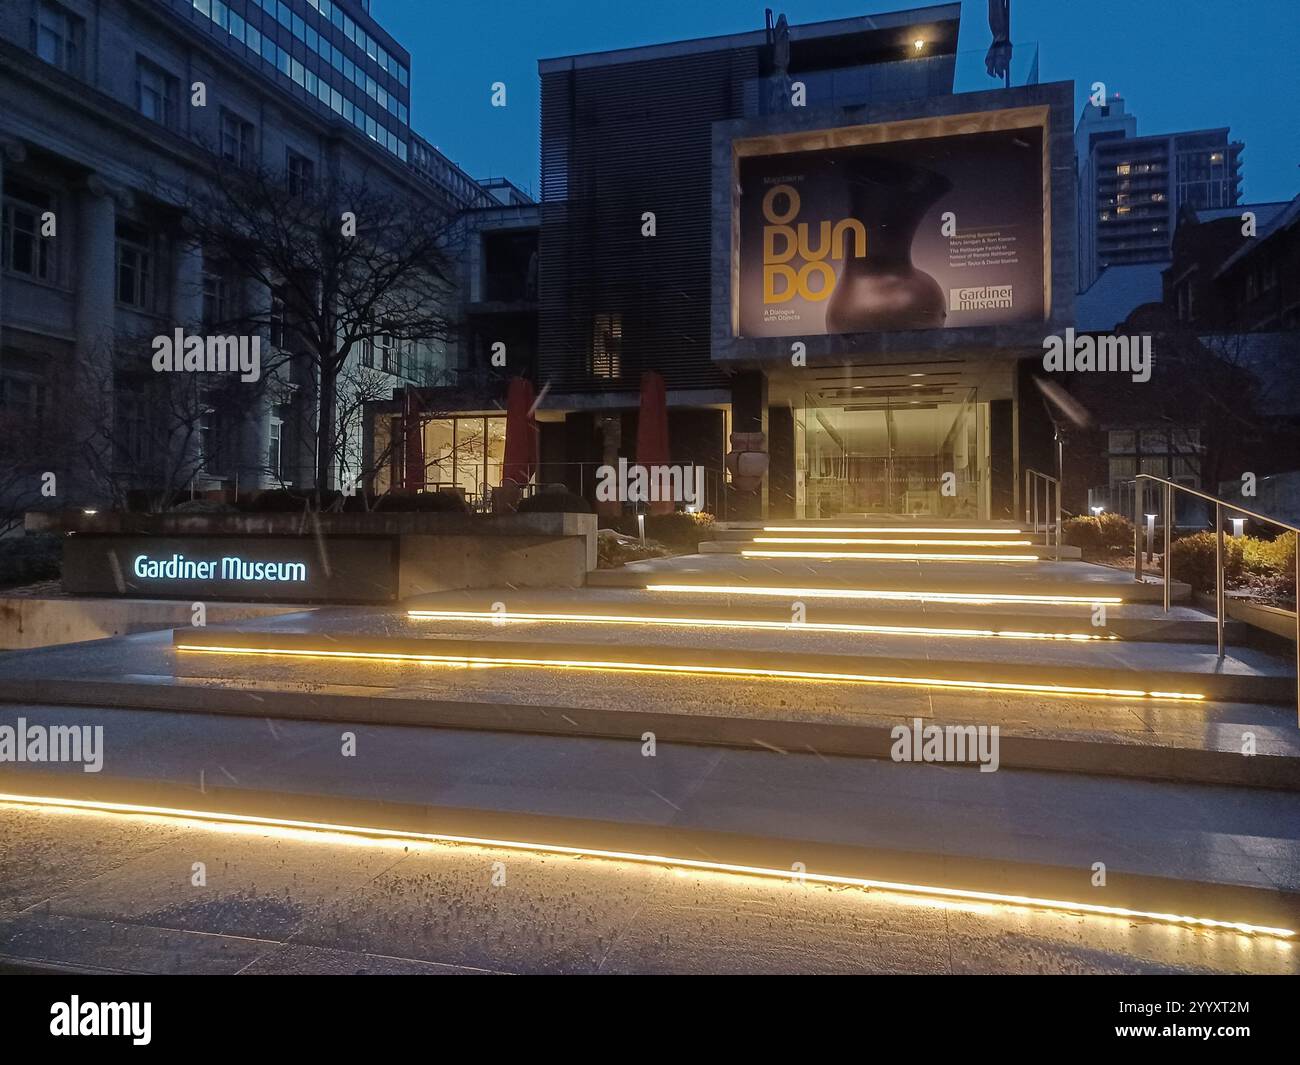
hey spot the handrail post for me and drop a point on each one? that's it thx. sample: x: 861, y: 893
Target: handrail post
x: 1058, y: 520
x: 1026, y: 497
x: 1169, y: 517
x: 1137, y: 529
x: 1220, y: 578
x: 1297, y: 627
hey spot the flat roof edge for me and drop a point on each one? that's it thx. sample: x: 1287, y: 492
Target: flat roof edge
x: 752, y: 38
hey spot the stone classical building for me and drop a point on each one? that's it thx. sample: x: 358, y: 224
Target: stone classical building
x: 102, y: 115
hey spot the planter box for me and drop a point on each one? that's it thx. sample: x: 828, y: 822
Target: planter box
x: 317, y: 558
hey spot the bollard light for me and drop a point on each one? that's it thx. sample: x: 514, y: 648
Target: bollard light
x: 1238, y: 526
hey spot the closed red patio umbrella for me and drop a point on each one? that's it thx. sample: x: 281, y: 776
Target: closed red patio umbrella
x: 520, y: 463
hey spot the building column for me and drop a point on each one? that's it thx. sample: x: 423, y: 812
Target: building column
x: 781, y: 473
x: 748, y: 415
x: 10, y: 152
x: 96, y: 271
x: 187, y: 314
x: 255, y: 473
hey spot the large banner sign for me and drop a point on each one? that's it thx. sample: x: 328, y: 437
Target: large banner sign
x: 934, y: 233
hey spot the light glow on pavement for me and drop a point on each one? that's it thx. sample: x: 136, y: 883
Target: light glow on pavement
x: 503, y: 617
x: 689, y: 670
x: 986, y: 598
x: 315, y: 830
x: 889, y: 556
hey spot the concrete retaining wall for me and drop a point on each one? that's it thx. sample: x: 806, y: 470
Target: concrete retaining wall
x: 29, y: 622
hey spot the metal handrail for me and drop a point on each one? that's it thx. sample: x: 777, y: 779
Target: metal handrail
x: 1220, y: 572
x: 1033, y: 479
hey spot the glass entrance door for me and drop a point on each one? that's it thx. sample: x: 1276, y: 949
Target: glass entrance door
x: 894, y: 457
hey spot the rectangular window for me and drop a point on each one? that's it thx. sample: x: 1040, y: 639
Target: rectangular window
x: 279, y: 332
x: 607, y: 346
x: 300, y: 173
x: 236, y: 139
x: 216, y: 299
x: 23, y: 398
x: 134, y: 265
x: 22, y: 248
x: 386, y: 350
x: 59, y: 35
x: 274, y: 450
x: 1122, y: 469
x: 156, y: 93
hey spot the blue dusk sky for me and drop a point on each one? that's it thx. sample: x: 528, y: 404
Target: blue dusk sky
x: 1176, y: 67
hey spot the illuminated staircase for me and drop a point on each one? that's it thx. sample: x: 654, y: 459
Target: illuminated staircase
x: 983, y: 612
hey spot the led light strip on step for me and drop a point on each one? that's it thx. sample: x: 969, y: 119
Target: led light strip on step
x: 500, y: 618
x: 675, y: 668
x: 910, y: 529
x: 287, y: 828
x: 983, y: 598
x: 891, y: 556
x: 887, y: 540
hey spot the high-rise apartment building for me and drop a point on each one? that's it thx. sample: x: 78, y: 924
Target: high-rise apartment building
x: 1131, y: 187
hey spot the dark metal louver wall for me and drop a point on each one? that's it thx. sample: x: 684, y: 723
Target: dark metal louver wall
x: 618, y: 141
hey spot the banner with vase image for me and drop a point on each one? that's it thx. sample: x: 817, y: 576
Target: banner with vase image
x: 930, y: 233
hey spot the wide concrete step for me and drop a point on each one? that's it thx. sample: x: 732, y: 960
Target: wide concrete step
x: 1131, y: 670
x: 926, y: 826
x: 780, y: 577
x: 900, y: 525
x: 833, y: 547
x: 925, y: 535
x: 627, y: 607
x: 1116, y: 735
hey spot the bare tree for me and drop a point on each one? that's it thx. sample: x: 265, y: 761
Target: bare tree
x: 162, y: 432
x: 353, y: 263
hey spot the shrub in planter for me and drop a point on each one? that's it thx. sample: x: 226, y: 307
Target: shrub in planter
x: 679, y: 530
x: 1192, y: 560
x: 278, y: 501
x: 421, y: 503
x: 203, y: 506
x: 554, y: 503
x: 30, y: 558
x: 1271, y: 560
x: 1105, y: 536
x: 613, y: 549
